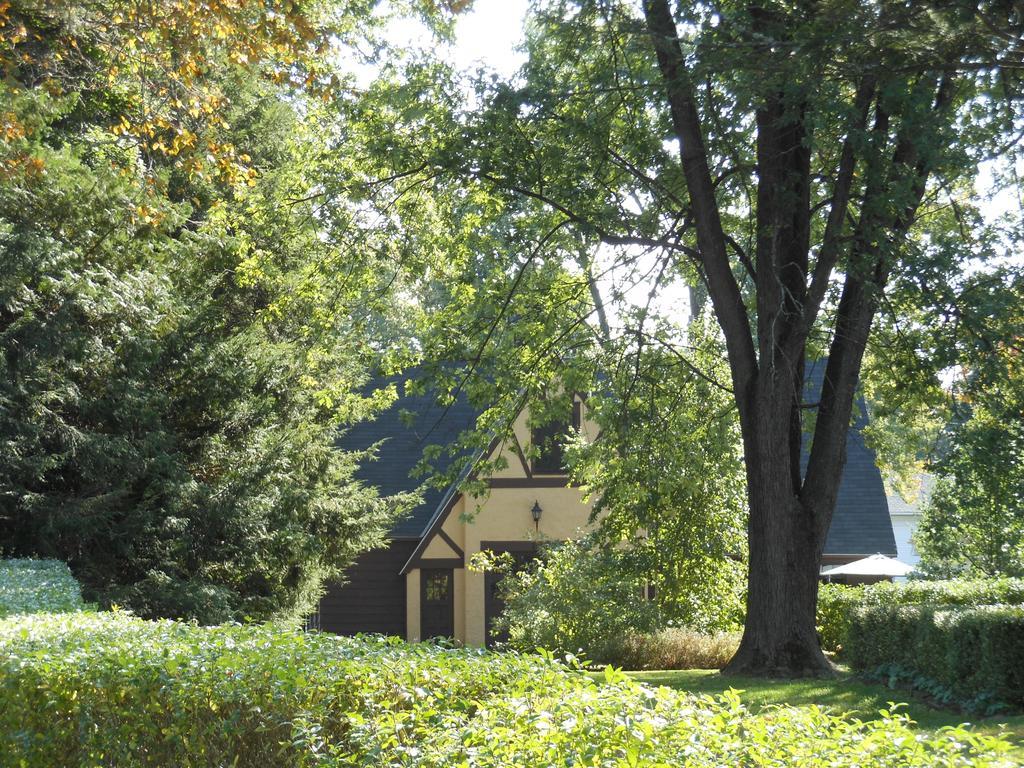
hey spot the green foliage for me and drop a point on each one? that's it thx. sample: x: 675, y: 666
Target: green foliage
x: 969, y: 434
x: 834, y: 604
x: 179, y: 352
x: 838, y: 603
x: 908, y: 408
x: 115, y: 690
x: 790, y: 160
x: 110, y: 689
x: 976, y: 652
x: 576, y: 598
x: 37, y: 586
x: 561, y: 211
x: 157, y: 68
x: 959, y: 640
x: 974, y: 520
x: 588, y: 597
x: 666, y: 476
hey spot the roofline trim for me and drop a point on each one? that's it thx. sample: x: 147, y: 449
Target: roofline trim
x: 446, y: 505
x: 854, y: 554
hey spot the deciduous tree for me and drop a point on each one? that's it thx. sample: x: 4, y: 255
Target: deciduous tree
x: 788, y: 158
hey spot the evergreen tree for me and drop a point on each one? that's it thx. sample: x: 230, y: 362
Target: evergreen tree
x: 183, y: 332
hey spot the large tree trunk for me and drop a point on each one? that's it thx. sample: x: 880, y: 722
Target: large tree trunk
x: 779, y: 637
x: 790, y: 513
x: 784, y: 535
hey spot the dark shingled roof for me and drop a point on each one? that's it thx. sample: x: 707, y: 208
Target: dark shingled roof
x: 861, y: 524
x: 402, y: 445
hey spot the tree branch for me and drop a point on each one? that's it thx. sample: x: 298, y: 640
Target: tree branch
x: 829, y: 253
x: 871, y: 262
x: 711, y: 242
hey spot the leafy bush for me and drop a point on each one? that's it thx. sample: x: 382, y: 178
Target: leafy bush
x: 972, y: 651
x: 37, y: 586
x: 586, y: 597
x: 667, y: 476
x: 576, y: 598
x: 622, y: 724
x: 836, y: 602
x: 109, y: 689
x: 972, y: 521
x: 678, y: 648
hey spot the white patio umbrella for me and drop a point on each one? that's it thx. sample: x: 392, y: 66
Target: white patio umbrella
x: 875, y: 565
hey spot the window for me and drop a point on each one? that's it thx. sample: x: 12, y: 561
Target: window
x: 438, y: 585
x: 547, y: 441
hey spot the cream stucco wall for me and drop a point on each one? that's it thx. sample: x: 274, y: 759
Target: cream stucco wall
x: 412, y: 606
x: 507, y: 450
x: 505, y: 516
x: 502, y: 515
x: 438, y: 548
x: 460, y: 604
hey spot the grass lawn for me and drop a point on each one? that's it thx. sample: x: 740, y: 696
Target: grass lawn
x: 841, y: 695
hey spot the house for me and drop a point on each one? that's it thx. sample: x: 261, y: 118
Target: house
x: 419, y: 586
x: 906, y: 516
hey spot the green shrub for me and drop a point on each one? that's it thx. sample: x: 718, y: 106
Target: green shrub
x: 678, y: 648
x: 622, y: 724
x: 37, y: 586
x: 173, y: 389
x: 112, y: 690
x: 576, y: 598
x: 837, y: 602
x: 834, y: 601
x: 976, y: 653
x: 950, y: 592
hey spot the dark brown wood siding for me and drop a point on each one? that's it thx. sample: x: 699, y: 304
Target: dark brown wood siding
x: 522, y: 553
x: 373, y: 597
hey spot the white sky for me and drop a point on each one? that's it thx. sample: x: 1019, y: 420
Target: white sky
x: 488, y: 35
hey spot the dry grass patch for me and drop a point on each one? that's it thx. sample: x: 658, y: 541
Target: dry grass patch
x: 678, y: 648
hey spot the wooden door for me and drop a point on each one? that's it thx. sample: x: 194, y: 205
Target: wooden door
x: 437, y: 603
x: 522, y: 553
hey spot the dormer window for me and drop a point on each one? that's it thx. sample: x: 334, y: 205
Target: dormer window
x: 547, y: 442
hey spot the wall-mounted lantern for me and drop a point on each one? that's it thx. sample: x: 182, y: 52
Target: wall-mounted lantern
x: 536, y: 512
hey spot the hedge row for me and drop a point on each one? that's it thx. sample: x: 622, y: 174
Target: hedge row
x: 111, y: 690
x: 836, y: 603
x: 37, y: 586
x: 976, y: 653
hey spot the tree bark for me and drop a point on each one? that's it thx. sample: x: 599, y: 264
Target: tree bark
x: 779, y: 636
x: 784, y: 541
